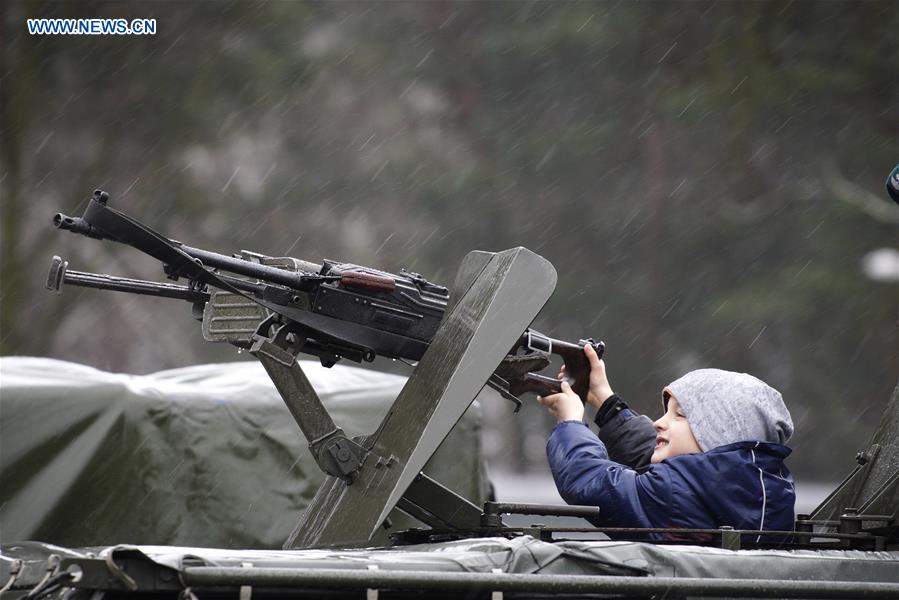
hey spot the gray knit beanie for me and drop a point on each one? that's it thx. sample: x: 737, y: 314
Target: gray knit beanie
x: 723, y: 407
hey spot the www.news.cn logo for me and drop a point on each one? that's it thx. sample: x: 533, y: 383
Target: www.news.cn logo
x: 92, y: 26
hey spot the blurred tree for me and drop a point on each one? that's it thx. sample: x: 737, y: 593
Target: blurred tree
x: 693, y: 170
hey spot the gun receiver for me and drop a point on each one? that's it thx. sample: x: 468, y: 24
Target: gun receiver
x: 330, y: 310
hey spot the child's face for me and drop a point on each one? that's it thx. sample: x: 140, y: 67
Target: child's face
x: 673, y: 434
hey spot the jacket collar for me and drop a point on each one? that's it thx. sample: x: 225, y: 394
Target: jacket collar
x: 778, y: 450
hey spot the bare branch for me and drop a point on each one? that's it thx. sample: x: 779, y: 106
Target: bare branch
x: 851, y: 193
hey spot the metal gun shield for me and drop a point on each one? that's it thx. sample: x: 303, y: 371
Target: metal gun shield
x: 474, y: 337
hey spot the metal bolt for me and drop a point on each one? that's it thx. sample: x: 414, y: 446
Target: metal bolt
x: 802, y: 523
x: 730, y: 540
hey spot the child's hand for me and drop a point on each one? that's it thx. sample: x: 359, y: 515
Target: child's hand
x: 565, y: 406
x: 600, y: 390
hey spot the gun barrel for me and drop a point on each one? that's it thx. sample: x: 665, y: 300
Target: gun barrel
x: 76, y: 225
x: 59, y: 274
x: 247, y: 268
x: 240, y: 266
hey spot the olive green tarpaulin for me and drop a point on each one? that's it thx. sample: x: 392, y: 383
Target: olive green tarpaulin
x: 200, y: 456
x: 525, y: 554
x: 473, y: 568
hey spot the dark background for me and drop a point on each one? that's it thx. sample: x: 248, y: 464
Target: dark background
x: 707, y: 178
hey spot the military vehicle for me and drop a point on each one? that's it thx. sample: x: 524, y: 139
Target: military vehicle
x: 348, y: 542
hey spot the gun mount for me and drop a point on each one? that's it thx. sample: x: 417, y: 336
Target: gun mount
x: 278, y: 307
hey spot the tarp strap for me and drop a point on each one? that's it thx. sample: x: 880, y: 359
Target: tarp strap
x: 246, y: 591
x: 116, y: 570
x: 371, y: 593
x: 14, y: 571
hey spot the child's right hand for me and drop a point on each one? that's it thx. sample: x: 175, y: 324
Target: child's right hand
x: 600, y: 390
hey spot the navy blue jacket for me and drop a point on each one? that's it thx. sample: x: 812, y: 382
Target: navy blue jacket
x: 744, y: 485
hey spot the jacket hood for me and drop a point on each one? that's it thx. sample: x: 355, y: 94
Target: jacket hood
x: 723, y: 407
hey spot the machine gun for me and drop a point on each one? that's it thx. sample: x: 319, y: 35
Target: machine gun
x: 280, y: 307
x: 331, y: 310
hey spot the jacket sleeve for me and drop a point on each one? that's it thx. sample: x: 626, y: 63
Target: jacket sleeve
x: 585, y: 475
x: 630, y: 438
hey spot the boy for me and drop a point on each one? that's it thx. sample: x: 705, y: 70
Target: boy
x: 714, y: 458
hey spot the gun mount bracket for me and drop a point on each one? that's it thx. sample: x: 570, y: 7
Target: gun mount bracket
x: 493, y: 511
x: 863, y: 457
x: 338, y: 455
x: 332, y: 450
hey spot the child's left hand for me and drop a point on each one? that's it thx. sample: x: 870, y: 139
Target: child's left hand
x: 564, y: 406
